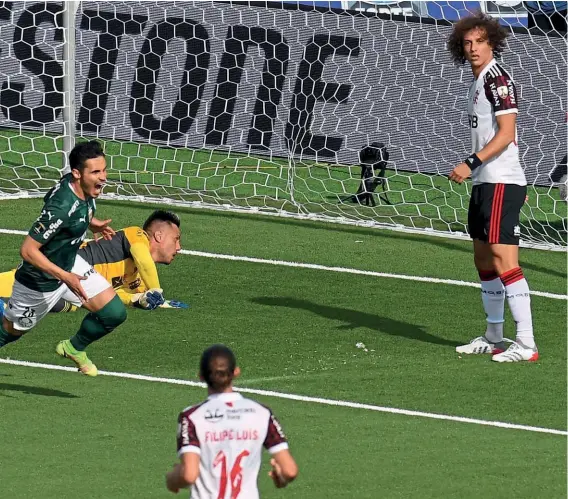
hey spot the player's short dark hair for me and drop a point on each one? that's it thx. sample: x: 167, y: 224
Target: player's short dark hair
x: 496, y: 35
x: 84, y: 151
x: 218, y: 375
x: 161, y: 216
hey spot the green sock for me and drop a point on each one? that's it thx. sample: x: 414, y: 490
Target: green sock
x: 95, y: 325
x: 5, y: 336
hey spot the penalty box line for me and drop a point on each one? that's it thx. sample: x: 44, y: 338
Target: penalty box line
x: 300, y: 398
x: 345, y: 270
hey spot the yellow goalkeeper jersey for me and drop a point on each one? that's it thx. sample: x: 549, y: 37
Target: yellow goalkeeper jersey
x: 124, y: 261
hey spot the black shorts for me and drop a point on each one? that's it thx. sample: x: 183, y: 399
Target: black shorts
x: 494, y: 210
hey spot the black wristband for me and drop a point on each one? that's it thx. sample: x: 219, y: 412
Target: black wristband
x: 473, y: 162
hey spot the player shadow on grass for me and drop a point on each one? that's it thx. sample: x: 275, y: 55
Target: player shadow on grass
x: 35, y: 390
x: 352, y: 319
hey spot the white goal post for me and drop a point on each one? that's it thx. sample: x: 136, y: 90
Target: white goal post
x: 266, y: 108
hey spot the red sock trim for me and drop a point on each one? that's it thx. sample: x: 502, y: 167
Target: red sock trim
x: 512, y: 276
x: 487, y: 275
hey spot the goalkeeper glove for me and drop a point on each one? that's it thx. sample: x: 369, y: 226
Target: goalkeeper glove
x: 151, y: 299
x: 174, y: 304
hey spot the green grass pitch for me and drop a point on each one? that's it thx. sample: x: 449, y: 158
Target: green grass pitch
x: 295, y: 331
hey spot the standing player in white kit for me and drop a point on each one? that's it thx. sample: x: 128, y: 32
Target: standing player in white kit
x: 499, y: 189
x: 220, y: 441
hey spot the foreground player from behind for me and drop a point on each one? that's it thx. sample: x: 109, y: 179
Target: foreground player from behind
x: 51, y: 268
x: 499, y: 188
x: 220, y: 440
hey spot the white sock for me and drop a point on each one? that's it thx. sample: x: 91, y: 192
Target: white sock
x: 493, y: 298
x: 519, y: 299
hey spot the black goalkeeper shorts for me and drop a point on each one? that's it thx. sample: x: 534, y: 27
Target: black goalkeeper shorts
x: 494, y: 210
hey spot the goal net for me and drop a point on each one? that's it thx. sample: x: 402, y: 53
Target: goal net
x: 244, y: 106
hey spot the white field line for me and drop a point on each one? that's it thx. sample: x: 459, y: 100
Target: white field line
x: 301, y: 398
x: 346, y: 270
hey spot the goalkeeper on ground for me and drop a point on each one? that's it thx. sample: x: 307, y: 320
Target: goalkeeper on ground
x: 128, y: 261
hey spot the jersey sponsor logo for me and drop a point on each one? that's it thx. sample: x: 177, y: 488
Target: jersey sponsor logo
x: 476, y: 96
x: 236, y: 413
x: 511, y: 92
x: 90, y: 214
x: 135, y: 284
x: 183, y: 431
x: 89, y: 272
x: 52, y: 228
x: 39, y: 228
x: 79, y: 239
x: 230, y: 434
x: 73, y: 208
x: 493, y: 89
x: 117, y: 281
x: 83, y: 219
x: 277, y: 426
x: 213, y: 416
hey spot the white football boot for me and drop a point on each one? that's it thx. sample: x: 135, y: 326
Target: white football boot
x: 517, y: 353
x: 482, y: 345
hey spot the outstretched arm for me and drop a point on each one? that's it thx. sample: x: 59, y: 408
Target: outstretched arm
x: 102, y: 227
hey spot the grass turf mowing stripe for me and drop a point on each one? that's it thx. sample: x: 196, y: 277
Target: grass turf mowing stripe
x: 346, y: 270
x: 301, y: 398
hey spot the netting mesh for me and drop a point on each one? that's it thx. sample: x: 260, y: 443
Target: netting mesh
x: 244, y: 106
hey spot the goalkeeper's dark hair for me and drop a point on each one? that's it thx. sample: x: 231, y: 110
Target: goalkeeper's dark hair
x: 84, y: 151
x: 496, y: 35
x: 161, y: 216
x: 217, y: 367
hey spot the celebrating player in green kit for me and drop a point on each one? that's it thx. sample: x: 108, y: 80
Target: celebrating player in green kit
x: 51, y: 268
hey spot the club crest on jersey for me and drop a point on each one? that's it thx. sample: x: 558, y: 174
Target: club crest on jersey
x: 476, y: 96
x: 503, y: 91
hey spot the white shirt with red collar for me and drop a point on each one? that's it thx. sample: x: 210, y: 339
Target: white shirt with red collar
x: 228, y: 431
x: 493, y: 94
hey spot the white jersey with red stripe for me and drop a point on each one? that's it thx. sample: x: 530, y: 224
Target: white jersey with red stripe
x: 228, y: 431
x: 493, y: 94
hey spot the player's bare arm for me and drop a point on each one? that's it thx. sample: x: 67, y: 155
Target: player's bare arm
x: 30, y: 252
x: 184, y: 474
x: 505, y: 135
x: 102, y: 227
x: 284, y: 468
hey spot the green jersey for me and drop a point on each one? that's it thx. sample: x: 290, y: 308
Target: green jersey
x: 60, y: 228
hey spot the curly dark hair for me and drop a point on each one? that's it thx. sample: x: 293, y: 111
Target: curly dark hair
x: 496, y: 35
